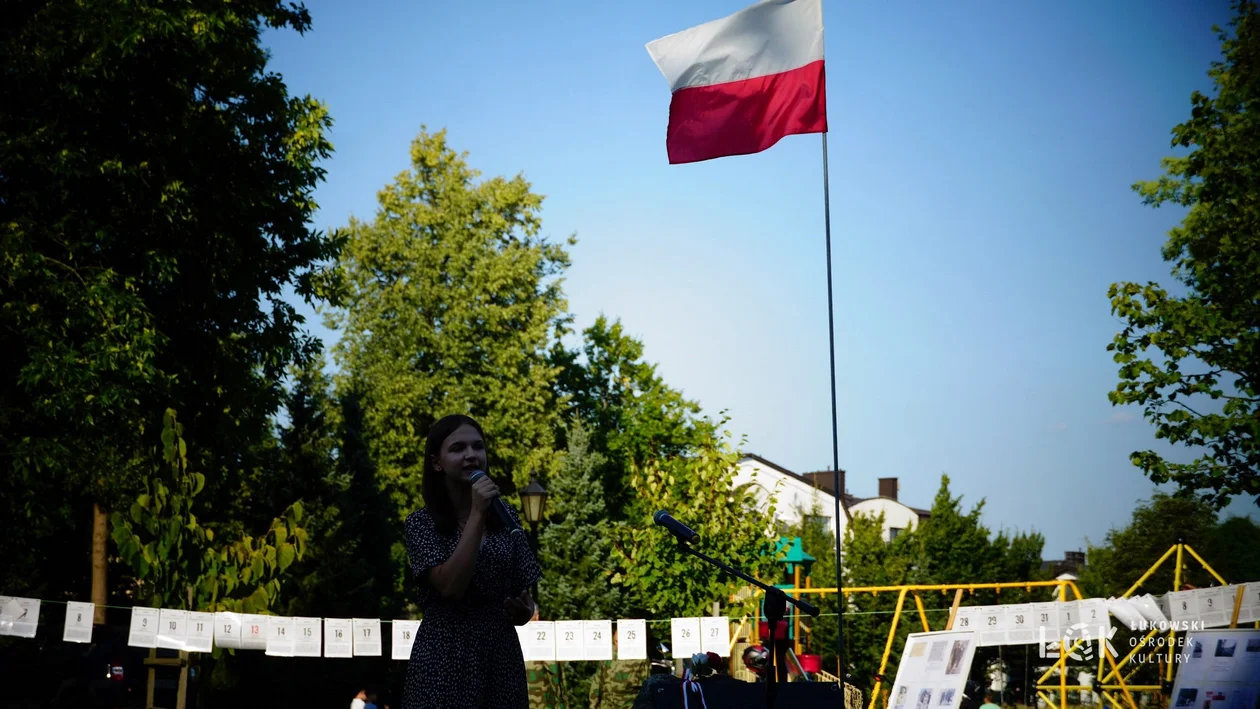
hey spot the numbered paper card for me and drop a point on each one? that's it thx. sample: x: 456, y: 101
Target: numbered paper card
x: 569, y: 641
x: 991, y: 624
x: 539, y: 641
x: 144, y: 627
x: 965, y: 618
x: 685, y: 636
x: 1020, y: 629
x: 254, y: 631
x: 1069, y: 615
x: 172, y: 629
x: 307, y: 637
x: 1214, y: 610
x: 1095, y: 616
x: 1045, y: 620
x: 597, y: 639
x: 19, y: 617
x: 227, y: 629
x: 632, y: 639
x: 280, y: 637
x: 404, y: 634
x: 715, y: 635
x: 78, y: 622
x: 338, y: 637
x: 1183, y: 606
x: 367, y: 637
x: 200, y: 636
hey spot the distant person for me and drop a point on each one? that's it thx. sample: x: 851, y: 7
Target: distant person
x: 474, y: 579
x: 360, y: 700
x: 988, y: 702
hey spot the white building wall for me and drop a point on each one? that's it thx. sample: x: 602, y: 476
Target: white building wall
x: 895, y: 514
x: 792, y: 493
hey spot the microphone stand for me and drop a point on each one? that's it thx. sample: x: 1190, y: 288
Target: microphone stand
x: 775, y: 607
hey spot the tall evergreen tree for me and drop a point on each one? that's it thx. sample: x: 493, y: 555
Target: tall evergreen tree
x: 451, y: 307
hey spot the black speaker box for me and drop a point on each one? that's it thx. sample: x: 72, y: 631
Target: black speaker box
x: 727, y: 693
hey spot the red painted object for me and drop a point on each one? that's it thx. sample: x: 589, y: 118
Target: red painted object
x: 764, y: 629
x: 810, y: 663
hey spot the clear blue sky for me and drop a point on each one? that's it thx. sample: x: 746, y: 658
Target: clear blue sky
x: 981, y: 161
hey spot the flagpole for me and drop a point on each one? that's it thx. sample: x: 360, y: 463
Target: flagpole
x: 835, y: 427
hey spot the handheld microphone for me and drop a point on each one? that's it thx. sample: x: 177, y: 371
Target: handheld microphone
x: 499, y: 506
x: 678, y: 529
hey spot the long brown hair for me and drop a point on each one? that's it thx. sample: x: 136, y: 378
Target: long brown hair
x: 433, y: 485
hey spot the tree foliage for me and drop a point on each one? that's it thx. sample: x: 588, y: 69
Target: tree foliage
x: 451, y: 306
x: 1201, y: 385
x: 156, y: 188
x: 1231, y: 547
x: 575, y: 554
x: 951, y: 546
x: 667, y: 582
x: 176, y: 561
x: 630, y: 414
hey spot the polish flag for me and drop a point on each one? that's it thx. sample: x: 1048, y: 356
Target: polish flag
x: 743, y: 82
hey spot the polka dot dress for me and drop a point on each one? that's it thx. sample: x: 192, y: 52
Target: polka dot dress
x: 466, y: 654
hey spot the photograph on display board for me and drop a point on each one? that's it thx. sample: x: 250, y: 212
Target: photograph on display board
x: 1225, y: 647
x: 1253, y: 645
x: 956, y: 656
x: 900, y: 701
x: 938, y: 652
x: 1198, y: 649
x: 1186, y: 697
x: 917, y: 649
x: 947, y: 697
x: 925, y: 699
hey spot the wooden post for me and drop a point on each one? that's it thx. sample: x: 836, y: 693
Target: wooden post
x: 148, y: 691
x: 100, y: 537
x: 953, y: 610
x: 181, y: 698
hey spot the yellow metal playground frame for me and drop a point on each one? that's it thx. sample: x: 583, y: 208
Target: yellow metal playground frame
x: 915, y: 590
x: 1110, y: 691
x: 1107, y: 688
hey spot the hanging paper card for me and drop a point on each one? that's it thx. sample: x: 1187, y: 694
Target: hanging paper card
x: 78, y: 622
x: 338, y: 637
x: 631, y: 639
x: 403, y: 635
x: 144, y: 627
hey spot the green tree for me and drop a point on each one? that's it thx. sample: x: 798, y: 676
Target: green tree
x: 352, y: 568
x: 1156, y: 525
x: 451, y: 306
x: 575, y: 547
x: 1201, y: 385
x: 575, y: 553
x: 176, y: 561
x: 631, y: 415
x: 1233, y: 549
x: 871, y: 561
x: 953, y: 546
x: 950, y: 547
x: 156, y: 188
x: 666, y: 582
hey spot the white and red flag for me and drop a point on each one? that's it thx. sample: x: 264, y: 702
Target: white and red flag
x: 742, y: 83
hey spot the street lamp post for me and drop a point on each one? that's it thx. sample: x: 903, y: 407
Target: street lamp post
x: 534, y: 499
